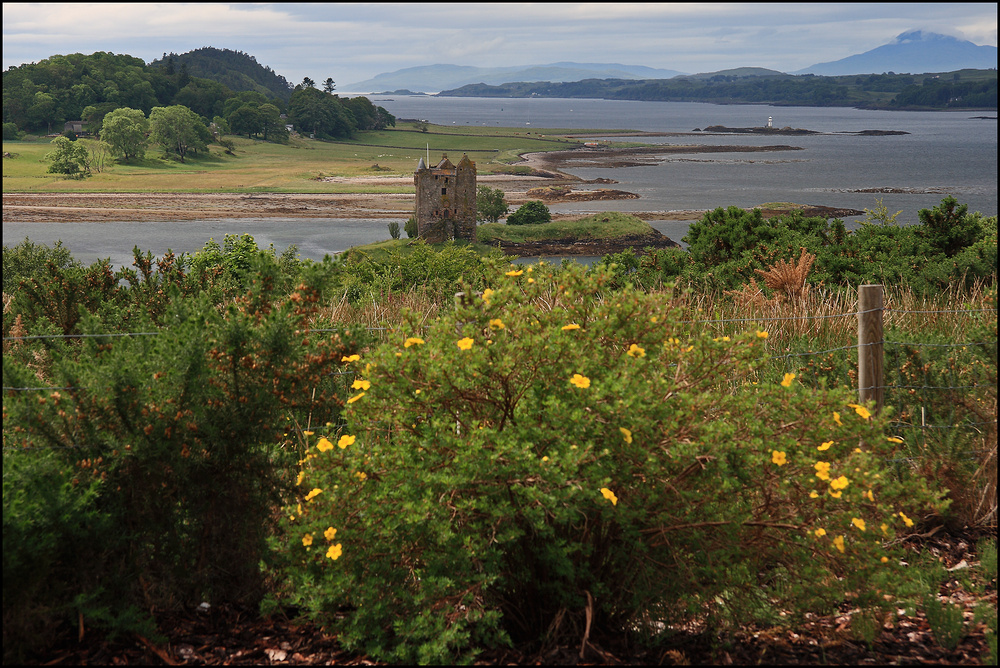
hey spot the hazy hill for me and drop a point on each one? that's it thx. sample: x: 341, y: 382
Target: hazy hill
x: 734, y: 73
x: 236, y: 70
x: 434, y: 78
x: 914, y: 52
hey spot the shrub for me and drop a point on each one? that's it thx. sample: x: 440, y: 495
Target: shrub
x: 410, y: 227
x: 172, y: 441
x: 550, y: 457
x: 491, y: 204
x: 532, y: 212
x: 394, y: 230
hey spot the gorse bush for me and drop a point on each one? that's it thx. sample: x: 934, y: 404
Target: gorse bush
x: 161, y: 450
x: 552, y: 456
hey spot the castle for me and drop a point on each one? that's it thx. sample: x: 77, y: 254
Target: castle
x: 446, y: 200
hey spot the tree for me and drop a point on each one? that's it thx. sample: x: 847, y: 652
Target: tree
x: 532, y: 212
x: 67, y: 157
x: 308, y: 83
x: 271, y: 123
x: 245, y: 120
x: 314, y: 111
x: 491, y: 205
x: 179, y: 130
x: 125, y: 130
x: 329, y: 85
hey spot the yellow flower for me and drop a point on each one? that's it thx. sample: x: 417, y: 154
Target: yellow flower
x: 885, y: 528
x: 893, y: 439
x: 350, y: 358
x: 885, y: 560
x: 465, y: 344
x: 580, y: 381
x: 636, y: 351
x: 813, y: 495
x: 361, y: 475
x: 870, y: 496
x: 330, y: 533
x: 307, y: 433
x: 531, y: 280
x: 413, y: 341
x: 836, y: 418
x: 360, y: 385
x: 838, y: 542
x: 825, y: 445
x: 787, y: 381
x: 778, y: 457
x: 324, y: 444
x: 761, y: 335
x: 334, y: 552
x: 545, y: 459
x: 345, y: 440
x: 571, y: 326
x: 861, y: 410
x: 820, y: 532
x: 497, y: 323
x: 823, y: 470
x: 355, y: 398
x: 300, y: 477
x: 626, y: 434
x: 609, y: 495
x: 835, y: 495
x: 858, y: 523
x: 313, y: 494
x: 906, y: 520
x: 840, y: 483
x: 514, y: 272
x: 487, y: 295
x: 307, y: 540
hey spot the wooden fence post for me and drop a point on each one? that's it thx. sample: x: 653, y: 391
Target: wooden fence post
x: 870, y: 345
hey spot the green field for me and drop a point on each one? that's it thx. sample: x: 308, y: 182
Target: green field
x: 292, y: 167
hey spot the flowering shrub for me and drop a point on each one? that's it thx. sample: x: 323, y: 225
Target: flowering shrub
x: 550, y: 458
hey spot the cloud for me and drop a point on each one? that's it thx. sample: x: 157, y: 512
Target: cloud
x: 356, y: 41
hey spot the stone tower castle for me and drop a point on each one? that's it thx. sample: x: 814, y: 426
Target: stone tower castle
x: 446, y: 200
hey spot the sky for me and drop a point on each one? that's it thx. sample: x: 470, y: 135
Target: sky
x: 354, y: 42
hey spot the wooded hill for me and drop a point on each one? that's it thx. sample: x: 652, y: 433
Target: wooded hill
x: 236, y: 70
x: 41, y: 97
x: 962, y: 89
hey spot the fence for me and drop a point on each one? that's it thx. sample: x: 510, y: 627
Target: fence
x: 870, y: 348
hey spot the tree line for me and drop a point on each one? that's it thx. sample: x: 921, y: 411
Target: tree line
x: 41, y: 97
x: 953, y: 90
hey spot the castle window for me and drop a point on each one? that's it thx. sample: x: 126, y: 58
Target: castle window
x: 444, y: 191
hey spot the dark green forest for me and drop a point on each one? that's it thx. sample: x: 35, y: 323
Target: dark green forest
x: 963, y: 89
x: 228, y: 88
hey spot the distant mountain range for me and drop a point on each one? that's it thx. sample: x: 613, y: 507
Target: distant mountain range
x: 913, y: 52
x: 434, y: 78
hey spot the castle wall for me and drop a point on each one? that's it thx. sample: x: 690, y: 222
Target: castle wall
x: 446, y: 201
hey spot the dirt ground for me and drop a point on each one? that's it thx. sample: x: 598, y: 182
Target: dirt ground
x: 547, y: 169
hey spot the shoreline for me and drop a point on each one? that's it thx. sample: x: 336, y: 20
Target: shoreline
x: 545, y: 178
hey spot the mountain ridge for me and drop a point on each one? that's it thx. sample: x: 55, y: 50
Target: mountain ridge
x: 912, y: 52
x: 442, y: 76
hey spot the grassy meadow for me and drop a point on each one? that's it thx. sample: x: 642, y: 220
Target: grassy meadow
x: 292, y: 167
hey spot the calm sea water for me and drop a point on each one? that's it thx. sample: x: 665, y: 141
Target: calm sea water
x: 945, y: 152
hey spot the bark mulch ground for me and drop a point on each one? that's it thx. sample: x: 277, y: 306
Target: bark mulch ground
x: 230, y: 636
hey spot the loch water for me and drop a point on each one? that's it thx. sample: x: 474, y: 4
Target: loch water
x: 952, y: 152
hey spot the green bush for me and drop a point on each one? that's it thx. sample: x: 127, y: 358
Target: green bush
x: 552, y: 456
x: 491, y: 204
x: 532, y: 212
x: 177, y: 441
x: 418, y: 265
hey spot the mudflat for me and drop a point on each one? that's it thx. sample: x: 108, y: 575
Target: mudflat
x: 543, y: 170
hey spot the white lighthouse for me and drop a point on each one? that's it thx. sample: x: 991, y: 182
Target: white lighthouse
x: 769, y: 122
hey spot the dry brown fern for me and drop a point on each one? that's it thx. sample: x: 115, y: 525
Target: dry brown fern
x: 789, y: 278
